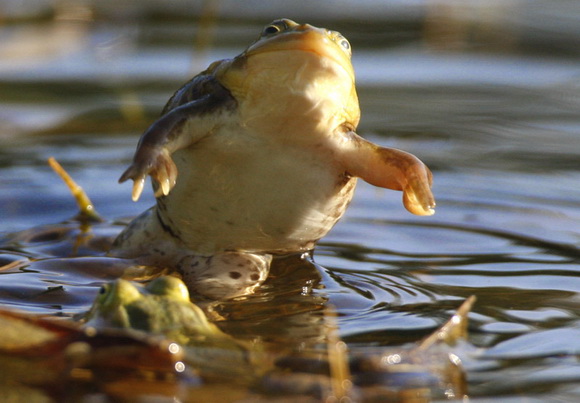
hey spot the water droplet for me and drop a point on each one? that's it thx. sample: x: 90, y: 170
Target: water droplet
x: 179, y: 366
x: 174, y: 348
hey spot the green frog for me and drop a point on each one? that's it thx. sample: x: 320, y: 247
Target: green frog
x: 257, y: 156
x: 163, y: 308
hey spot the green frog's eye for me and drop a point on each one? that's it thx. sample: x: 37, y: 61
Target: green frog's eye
x: 103, y: 290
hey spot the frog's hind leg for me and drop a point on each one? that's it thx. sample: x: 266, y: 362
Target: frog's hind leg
x: 224, y: 275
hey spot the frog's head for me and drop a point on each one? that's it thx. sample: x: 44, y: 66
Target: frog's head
x: 297, y: 66
x: 288, y: 36
x: 124, y: 304
x: 109, y: 306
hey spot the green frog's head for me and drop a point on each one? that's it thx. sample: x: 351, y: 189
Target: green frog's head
x: 162, y: 306
x: 109, y: 308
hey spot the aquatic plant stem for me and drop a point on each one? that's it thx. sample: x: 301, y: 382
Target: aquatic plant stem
x: 87, y: 211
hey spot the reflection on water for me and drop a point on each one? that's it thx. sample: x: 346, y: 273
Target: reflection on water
x: 486, y: 96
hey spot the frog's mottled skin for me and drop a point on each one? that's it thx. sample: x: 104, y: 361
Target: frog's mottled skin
x: 161, y: 307
x: 268, y: 159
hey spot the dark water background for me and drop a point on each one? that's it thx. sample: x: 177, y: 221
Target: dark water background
x: 486, y: 93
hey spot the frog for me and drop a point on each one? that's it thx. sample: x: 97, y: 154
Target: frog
x: 161, y: 307
x: 258, y: 157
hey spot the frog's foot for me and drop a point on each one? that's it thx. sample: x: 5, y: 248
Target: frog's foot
x: 155, y: 161
x: 416, y: 182
x: 224, y: 275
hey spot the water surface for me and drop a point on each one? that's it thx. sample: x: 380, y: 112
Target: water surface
x: 489, y: 99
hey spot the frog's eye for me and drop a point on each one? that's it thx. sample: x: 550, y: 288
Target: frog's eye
x: 275, y: 27
x: 271, y: 30
x: 344, y: 44
x: 340, y: 40
x: 103, y: 290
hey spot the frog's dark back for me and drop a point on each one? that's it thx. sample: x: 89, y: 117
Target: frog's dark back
x: 203, y: 86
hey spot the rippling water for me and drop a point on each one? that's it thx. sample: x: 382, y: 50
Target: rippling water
x: 488, y: 97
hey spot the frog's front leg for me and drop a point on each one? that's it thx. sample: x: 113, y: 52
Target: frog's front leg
x: 178, y: 128
x: 224, y: 275
x: 389, y: 168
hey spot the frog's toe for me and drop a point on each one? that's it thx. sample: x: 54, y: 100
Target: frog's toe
x: 133, y: 172
x: 224, y: 275
x: 417, y: 195
x: 419, y: 201
x: 165, y: 173
x: 155, y: 162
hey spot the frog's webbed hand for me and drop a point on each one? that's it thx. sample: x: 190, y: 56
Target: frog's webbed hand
x: 392, y: 169
x: 155, y: 162
x: 153, y: 154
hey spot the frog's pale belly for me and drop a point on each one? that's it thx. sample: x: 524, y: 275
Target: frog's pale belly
x: 248, y: 194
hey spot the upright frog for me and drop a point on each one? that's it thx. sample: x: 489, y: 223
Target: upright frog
x: 268, y: 159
